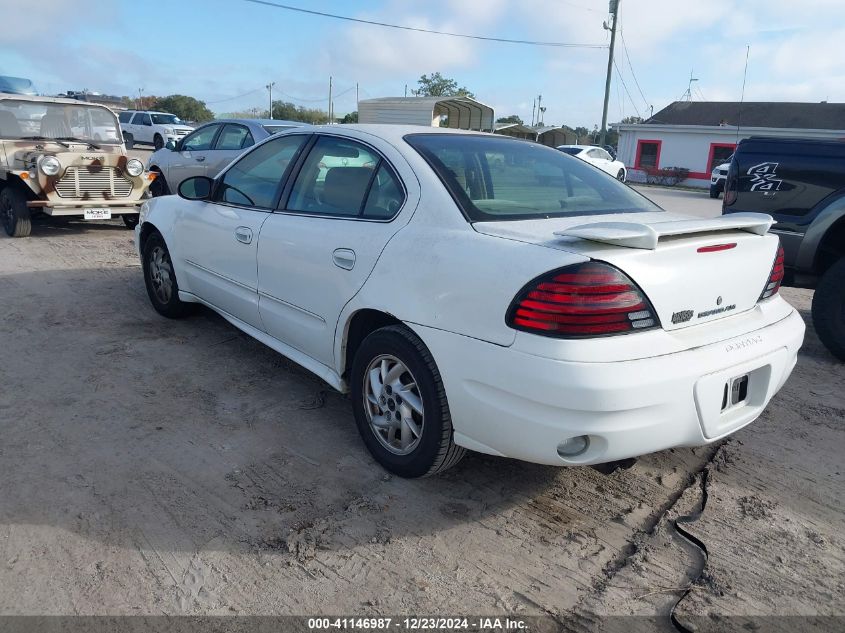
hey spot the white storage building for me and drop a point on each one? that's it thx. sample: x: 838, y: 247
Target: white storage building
x: 462, y: 113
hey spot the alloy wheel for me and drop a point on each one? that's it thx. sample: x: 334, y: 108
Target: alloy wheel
x: 161, y: 274
x: 393, y: 404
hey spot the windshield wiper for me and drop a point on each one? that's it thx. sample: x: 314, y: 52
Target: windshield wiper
x: 76, y: 139
x: 43, y: 138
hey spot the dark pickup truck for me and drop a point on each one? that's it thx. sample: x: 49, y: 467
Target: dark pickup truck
x: 801, y: 184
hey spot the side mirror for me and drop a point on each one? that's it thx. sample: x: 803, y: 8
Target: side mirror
x: 171, y: 146
x: 196, y: 188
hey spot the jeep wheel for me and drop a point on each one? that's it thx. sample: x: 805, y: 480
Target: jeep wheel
x: 714, y: 191
x: 829, y: 309
x: 128, y: 140
x: 400, y: 404
x: 131, y: 221
x: 160, y: 279
x: 621, y: 175
x: 14, y: 213
x: 158, y: 142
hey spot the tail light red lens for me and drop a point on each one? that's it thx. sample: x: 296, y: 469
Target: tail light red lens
x: 589, y: 299
x: 776, y: 277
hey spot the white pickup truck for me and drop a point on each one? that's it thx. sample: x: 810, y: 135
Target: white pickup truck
x: 151, y: 128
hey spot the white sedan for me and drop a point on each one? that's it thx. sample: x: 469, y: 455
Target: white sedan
x: 598, y: 157
x: 478, y: 292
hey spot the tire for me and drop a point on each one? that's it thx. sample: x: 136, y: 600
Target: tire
x: 714, y: 191
x: 128, y: 140
x: 158, y: 142
x: 166, y: 304
x: 14, y: 213
x: 158, y: 187
x: 621, y: 175
x: 432, y: 449
x: 131, y: 221
x: 829, y: 309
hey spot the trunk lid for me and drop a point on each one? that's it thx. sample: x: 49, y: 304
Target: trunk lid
x: 670, y: 256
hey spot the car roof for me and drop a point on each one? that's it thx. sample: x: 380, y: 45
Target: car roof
x: 580, y: 146
x: 37, y: 98
x: 261, y: 122
x: 396, y: 133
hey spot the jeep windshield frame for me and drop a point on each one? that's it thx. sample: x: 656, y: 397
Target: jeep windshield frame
x: 47, y: 120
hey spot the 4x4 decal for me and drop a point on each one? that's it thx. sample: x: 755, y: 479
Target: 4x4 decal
x: 764, y: 177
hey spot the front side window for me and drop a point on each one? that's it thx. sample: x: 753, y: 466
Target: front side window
x: 165, y: 119
x: 493, y: 178
x: 234, y: 137
x: 145, y: 119
x: 200, y: 140
x: 254, y: 180
x: 335, y: 178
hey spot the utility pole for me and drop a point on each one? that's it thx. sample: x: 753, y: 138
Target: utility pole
x: 533, y: 107
x: 614, y: 13
x: 270, y: 88
x: 140, y: 105
x: 540, y: 108
x: 357, y: 99
x: 330, y: 99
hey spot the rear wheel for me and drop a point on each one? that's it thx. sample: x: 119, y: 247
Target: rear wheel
x: 829, y: 309
x: 621, y: 175
x: 400, y: 404
x: 128, y: 140
x: 14, y: 213
x: 158, y: 142
x: 714, y: 191
x: 160, y: 279
x: 131, y: 221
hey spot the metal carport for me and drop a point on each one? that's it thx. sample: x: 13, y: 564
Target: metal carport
x: 462, y: 113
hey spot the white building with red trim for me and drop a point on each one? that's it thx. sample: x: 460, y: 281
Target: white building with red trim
x: 698, y: 135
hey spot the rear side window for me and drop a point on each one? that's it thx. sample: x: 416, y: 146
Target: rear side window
x: 335, y: 178
x: 124, y: 117
x: 385, y: 197
x: 234, y: 137
x: 495, y: 179
x: 255, y: 179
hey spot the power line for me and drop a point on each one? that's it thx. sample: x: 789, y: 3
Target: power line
x: 246, y: 94
x: 419, y: 30
x: 622, y: 80
x: 631, y: 66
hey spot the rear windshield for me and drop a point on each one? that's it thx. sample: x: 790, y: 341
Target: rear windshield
x: 572, y: 151
x: 275, y: 129
x: 493, y: 178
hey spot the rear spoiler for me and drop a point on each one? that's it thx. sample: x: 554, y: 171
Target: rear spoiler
x: 636, y: 235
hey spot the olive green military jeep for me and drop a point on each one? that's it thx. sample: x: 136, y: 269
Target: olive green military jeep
x: 62, y: 157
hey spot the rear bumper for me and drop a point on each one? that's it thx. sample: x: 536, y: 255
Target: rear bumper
x: 510, y: 403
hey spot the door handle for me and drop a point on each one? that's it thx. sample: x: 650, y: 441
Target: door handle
x: 243, y: 234
x: 200, y: 159
x: 344, y: 258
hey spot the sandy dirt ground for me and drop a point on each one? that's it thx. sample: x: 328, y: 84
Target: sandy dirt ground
x: 151, y: 466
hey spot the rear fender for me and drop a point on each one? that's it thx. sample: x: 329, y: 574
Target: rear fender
x: 833, y: 212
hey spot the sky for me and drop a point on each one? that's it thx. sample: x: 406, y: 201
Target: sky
x: 225, y: 51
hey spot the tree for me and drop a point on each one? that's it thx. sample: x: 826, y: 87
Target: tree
x: 513, y: 118
x: 186, y: 108
x: 632, y: 119
x: 439, y: 86
x: 352, y: 117
x: 291, y: 112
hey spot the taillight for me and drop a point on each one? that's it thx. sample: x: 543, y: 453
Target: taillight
x: 731, y: 186
x: 589, y: 299
x: 775, y: 278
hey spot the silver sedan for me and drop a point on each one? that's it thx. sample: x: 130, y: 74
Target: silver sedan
x: 208, y: 149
